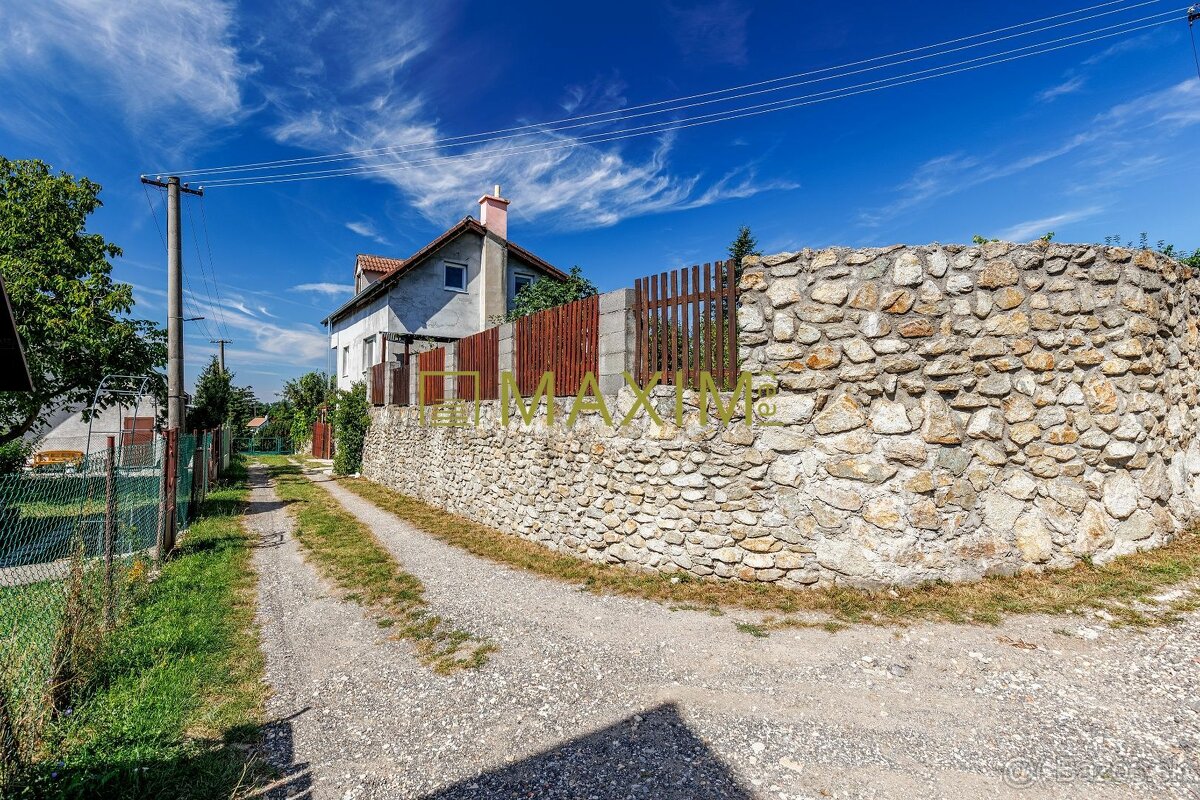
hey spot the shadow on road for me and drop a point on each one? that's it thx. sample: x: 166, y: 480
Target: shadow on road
x: 651, y: 755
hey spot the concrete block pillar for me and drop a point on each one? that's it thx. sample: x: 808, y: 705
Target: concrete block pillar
x: 505, y: 350
x: 451, y: 365
x: 413, y: 384
x: 617, y: 340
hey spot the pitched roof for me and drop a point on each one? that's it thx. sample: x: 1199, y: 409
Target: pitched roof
x: 404, y: 265
x: 383, y: 264
x: 257, y: 422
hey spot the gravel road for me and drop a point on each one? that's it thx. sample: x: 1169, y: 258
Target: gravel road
x: 606, y: 697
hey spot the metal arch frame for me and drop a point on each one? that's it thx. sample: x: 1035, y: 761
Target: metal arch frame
x: 105, y: 386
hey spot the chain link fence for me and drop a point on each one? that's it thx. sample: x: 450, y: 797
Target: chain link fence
x: 76, y: 540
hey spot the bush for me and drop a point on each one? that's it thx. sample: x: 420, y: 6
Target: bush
x: 351, y: 418
x: 13, y: 455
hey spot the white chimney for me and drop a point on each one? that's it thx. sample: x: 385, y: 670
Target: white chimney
x: 493, y: 213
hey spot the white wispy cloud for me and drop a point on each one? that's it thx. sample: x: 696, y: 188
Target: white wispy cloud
x: 1139, y: 130
x: 367, y: 229
x: 273, y: 342
x: 153, y: 58
x: 1024, y: 231
x: 1069, y: 86
x: 571, y: 185
x: 324, y: 288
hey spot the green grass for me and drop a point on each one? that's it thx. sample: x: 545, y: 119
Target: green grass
x: 345, y: 551
x: 31, y: 617
x: 1123, y: 587
x: 173, y: 704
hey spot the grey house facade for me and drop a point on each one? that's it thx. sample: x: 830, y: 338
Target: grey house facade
x: 462, y: 282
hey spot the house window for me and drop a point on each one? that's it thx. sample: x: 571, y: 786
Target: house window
x: 346, y: 361
x: 368, y: 352
x: 456, y: 276
x: 520, y: 281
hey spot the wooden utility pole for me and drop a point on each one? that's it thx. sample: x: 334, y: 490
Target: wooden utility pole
x: 220, y: 343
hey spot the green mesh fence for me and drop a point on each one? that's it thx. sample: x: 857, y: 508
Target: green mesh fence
x: 74, y: 539
x: 265, y: 446
x: 183, y: 479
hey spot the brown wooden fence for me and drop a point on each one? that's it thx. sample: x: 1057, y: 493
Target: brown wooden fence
x: 400, y: 372
x: 479, y: 353
x: 435, y: 385
x: 378, y: 376
x: 687, y: 322
x: 322, y: 440
x: 563, y: 340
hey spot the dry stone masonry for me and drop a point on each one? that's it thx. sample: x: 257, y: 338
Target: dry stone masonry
x: 945, y: 412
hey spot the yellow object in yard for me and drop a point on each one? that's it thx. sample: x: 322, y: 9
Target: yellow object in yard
x: 57, y: 458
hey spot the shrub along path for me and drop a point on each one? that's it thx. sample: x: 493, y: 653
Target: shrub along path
x: 612, y: 697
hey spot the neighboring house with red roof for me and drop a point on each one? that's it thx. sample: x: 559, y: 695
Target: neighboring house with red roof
x: 460, y: 283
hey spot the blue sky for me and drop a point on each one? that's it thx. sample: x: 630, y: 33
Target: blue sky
x: 1087, y: 141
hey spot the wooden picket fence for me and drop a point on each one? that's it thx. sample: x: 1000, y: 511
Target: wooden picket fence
x: 400, y: 383
x: 378, y: 376
x: 687, y: 324
x: 564, y: 341
x: 435, y: 385
x: 479, y: 353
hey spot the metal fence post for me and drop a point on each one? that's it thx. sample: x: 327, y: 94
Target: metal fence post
x: 110, y: 521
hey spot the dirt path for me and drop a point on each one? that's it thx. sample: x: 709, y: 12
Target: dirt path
x: 612, y: 698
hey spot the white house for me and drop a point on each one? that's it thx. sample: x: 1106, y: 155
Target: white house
x: 460, y: 283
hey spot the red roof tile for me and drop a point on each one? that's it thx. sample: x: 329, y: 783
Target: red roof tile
x: 382, y: 264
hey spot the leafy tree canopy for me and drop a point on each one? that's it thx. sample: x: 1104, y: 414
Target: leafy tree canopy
x: 305, y: 395
x: 71, y: 316
x: 550, y: 293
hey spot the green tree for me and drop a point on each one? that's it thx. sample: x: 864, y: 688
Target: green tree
x: 306, y: 395
x: 242, y: 404
x: 550, y: 293
x: 212, y: 398
x: 744, y: 245
x: 71, y: 316
x: 351, y: 418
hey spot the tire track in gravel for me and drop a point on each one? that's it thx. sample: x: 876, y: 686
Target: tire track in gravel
x: 610, y: 697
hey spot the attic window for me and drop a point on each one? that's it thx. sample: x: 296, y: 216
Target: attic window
x: 456, y: 276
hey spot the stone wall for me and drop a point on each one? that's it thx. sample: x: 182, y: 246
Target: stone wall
x: 944, y: 412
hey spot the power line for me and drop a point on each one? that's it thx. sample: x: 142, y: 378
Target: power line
x: 624, y: 112
x: 706, y: 119
x: 204, y: 275
x: 775, y: 105
x: 1193, y: 15
x: 154, y: 215
x: 195, y: 309
x: 212, y: 267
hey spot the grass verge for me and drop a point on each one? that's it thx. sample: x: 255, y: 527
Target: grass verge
x: 1123, y: 588
x: 345, y: 551
x: 172, y: 705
